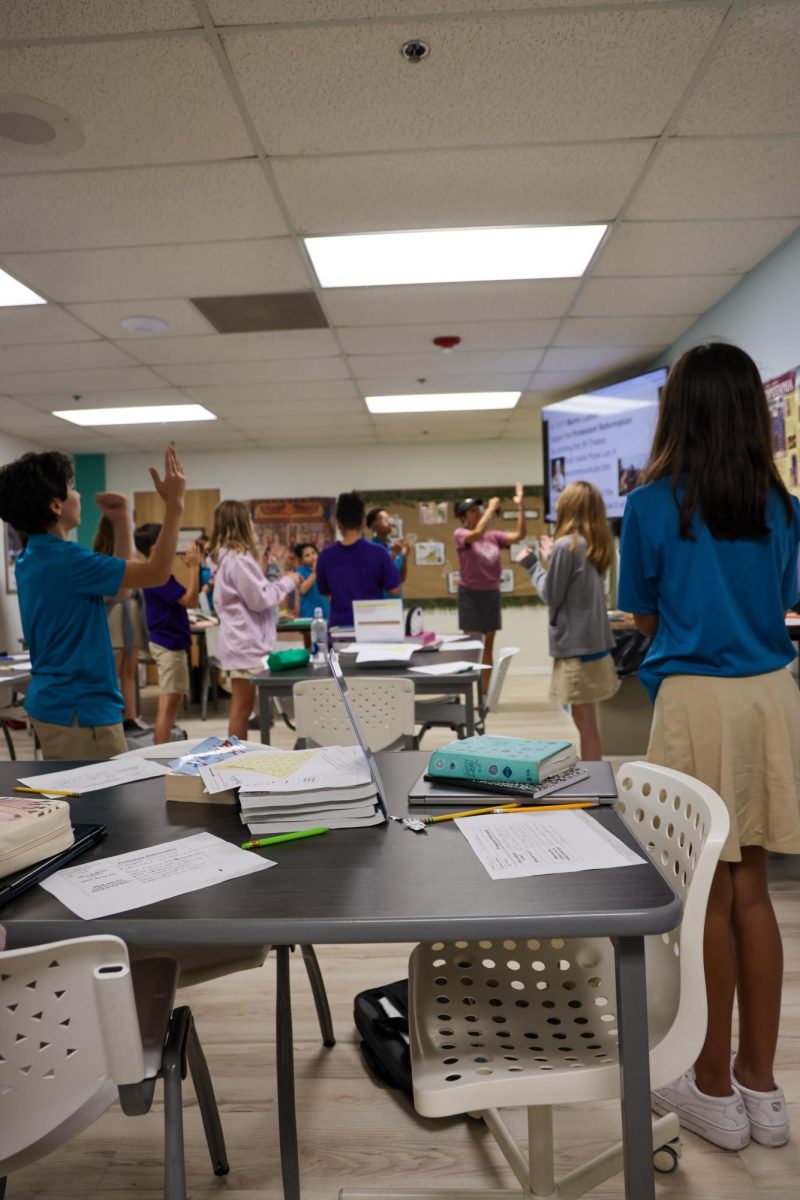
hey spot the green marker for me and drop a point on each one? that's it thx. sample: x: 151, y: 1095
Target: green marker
x: 282, y: 837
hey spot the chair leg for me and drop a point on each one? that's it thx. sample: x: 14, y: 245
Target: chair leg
x: 207, y: 1103
x: 320, y: 995
x: 2, y: 1187
x: 287, y: 1117
x: 9, y: 743
x: 172, y: 1073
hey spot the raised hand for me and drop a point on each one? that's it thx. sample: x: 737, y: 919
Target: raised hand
x: 112, y: 505
x: 518, y: 496
x: 191, y: 556
x: 545, y: 546
x: 493, y: 504
x: 172, y: 487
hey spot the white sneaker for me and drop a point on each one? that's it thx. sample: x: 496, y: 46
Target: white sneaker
x: 719, y: 1119
x: 766, y: 1111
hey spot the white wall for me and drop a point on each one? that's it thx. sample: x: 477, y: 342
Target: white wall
x: 760, y: 315
x: 10, y: 625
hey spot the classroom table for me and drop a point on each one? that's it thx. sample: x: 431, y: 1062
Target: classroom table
x: 467, y: 686
x: 379, y: 884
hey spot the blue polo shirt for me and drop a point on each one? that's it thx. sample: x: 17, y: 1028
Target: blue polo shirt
x: 61, y: 586
x: 397, y: 559
x: 313, y: 598
x: 720, y: 604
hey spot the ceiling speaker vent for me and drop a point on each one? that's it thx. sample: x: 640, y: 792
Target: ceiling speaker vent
x: 30, y: 126
x: 263, y: 313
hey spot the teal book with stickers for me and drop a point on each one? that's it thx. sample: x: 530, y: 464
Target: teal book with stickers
x: 501, y: 760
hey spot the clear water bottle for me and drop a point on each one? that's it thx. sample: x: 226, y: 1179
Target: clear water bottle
x: 319, y: 639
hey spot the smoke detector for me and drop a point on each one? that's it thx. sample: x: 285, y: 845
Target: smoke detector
x: 143, y: 325
x: 447, y: 342
x: 415, y: 50
x: 30, y: 126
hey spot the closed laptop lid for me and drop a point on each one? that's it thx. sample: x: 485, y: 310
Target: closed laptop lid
x: 361, y: 737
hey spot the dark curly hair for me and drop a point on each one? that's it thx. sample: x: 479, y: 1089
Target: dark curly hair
x: 29, y: 485
x: 350, y: 510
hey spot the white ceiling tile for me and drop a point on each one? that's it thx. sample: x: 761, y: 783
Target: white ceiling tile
x: 306, y: 88
x: 255, y: 12
x: 760, y: 53
x: 255, y: 372
x: 660, y: 296
x: 446, y: 302
x: 160, y: 99
x: 585, y: 361
x: 523, y: 185
x: 262, y: 415
x: 409, y: 385
x: 690, y: 247
x: 30, y: 19
x: 141, y: 206
x: 219, y: 269
x: 68, y: 382
x: 241, y: 395
x: 736, y: 177
x: 63, y: 357
x: 235, y: 347
x: 416, y: 339
x: 121, y: 398
x: 182, y: 318
x: 39, y: 323
x: 590, y: 332
x: 442, y: 366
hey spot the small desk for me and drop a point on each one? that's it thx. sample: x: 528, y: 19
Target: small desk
x: 381, y: 884
x: 465, y: 685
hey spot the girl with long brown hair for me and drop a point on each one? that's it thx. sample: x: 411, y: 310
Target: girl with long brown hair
x: 245, y: 603
x: 568, y: 576
x: 709, y: 566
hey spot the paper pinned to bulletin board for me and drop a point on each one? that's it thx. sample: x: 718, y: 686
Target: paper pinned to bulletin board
x: 783, y: 398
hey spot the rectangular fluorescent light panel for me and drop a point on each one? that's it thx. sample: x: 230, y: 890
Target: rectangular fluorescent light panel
x: 12, y: 292
x: 154, y: 414
x: 454, y: 255
x: 445, y: 402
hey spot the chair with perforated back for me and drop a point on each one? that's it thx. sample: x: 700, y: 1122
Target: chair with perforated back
x: 385, y: 709
x: 83, y: 1027
x: 450, y: 713
x: 533, y: 1023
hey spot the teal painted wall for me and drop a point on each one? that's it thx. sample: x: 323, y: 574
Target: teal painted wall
x: 90, y: 477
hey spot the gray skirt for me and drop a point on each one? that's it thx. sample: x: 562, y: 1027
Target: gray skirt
x: 478, y: 610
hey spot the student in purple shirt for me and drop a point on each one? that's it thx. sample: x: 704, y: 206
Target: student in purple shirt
x: 354, y: 569
x: 169, y: 633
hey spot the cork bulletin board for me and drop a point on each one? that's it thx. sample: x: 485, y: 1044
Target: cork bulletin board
x: 426, y: 518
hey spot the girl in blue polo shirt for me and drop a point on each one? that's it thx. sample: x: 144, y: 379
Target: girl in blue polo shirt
x: 709, y: 566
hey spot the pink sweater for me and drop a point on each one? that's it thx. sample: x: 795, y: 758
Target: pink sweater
x: 245, y: 603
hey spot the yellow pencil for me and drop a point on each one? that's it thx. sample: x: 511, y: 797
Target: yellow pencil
x: 509, y: 808
x: 472, y: 812
x: 42, y: 791
x: 554, y: 807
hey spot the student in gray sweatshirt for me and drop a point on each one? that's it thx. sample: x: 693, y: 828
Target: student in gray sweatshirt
x: 568, y: 575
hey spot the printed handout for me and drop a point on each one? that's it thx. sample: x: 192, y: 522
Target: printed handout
x: 461, y: 667
x: 519, y: 844
x: 97, y: 776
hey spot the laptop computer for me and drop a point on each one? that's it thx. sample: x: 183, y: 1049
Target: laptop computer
x: 361, y: 738
x: 592, y: 780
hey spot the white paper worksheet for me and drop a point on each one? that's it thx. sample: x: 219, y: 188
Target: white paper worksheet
x: 518, y: 844
x: 113, y: 885
x: 386, y: 652
x: 329, y: 767
x: 462, y: 667
x: 97, y: 776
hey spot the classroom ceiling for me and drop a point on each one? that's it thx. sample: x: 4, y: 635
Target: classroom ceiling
x: 217, y: 133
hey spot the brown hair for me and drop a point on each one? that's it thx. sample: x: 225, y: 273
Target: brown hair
x: 104, y: 538
x: 713, y: 437
x: 580, y: 511
x: 232, y: 530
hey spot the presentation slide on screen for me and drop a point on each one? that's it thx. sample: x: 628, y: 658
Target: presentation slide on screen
x: 603, y: 437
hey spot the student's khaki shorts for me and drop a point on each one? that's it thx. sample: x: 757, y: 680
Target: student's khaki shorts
x: 76, y: 741
x: 173, y: 670
x: 248, y: 673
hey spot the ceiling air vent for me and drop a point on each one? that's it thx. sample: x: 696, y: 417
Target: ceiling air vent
x: 263, y: 313
x: 29, y: 126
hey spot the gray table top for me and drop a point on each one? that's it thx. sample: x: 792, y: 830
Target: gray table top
x: 380, y: 884
x: 421, y: 658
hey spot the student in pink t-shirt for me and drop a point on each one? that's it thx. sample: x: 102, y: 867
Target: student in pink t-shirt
x: 479, y: 567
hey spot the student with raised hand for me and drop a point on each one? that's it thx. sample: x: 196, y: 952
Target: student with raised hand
x: 379, y: 524
x: 126, y: 625
x: 708, y: 567
x: 73, y: 699
x: 478, y: 548
x: 306, y: 554
x: 568, y: 575
x: 246, y: 604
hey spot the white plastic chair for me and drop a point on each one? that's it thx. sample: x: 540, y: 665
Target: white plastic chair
x: 558, y: 1042
x: 82, y: 1028
x: 385, y: 709
x: 452, y: 713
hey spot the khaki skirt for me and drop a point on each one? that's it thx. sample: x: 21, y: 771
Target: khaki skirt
x: 741, y: 737
x: 576, y: 682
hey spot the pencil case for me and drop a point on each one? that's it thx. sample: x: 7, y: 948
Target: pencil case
x: 32, y: 830
x: 287, y: 660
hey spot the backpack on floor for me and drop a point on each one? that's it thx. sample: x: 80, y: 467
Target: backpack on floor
x: 381, y: 1017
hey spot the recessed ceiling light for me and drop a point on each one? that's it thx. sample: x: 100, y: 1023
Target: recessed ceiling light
x: 443, y: 402
x: 143, y: 324
x: 453, y: 255
x: 154, y: 414
x: 12, y: 292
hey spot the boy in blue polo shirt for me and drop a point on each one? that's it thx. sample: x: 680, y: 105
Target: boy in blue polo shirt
x: 73, y: 699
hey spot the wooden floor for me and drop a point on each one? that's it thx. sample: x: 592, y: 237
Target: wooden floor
x: 354, y: 1133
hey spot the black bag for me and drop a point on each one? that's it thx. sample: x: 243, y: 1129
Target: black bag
x: 629, y: 651
x: 384, y: 1045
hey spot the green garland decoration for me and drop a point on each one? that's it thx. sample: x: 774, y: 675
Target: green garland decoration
x: 450, y: 602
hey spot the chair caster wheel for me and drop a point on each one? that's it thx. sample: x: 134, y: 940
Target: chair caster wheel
x: 665, y: 1158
